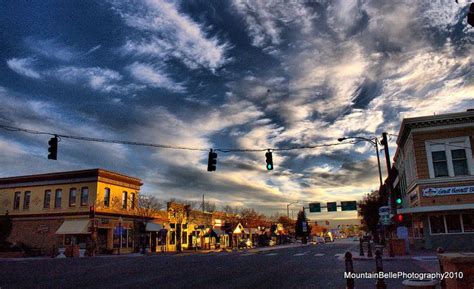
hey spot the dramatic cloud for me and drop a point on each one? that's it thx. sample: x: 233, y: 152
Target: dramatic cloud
x: 170, y: 34
x: 245, y: 75
x: 153, y: 76
x: 24, y: 67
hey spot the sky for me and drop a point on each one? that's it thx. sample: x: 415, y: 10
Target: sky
x: 228, y: 74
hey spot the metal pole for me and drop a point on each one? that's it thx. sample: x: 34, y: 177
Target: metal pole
x: 378, y: 160
x: 361, y: 247
x: 380, y: 284
x: 120, y: 237
x: 389, y: 176
x: 440, y: 250
x: 288, y: 210
x: 349, y: 270
x: 369, y: 249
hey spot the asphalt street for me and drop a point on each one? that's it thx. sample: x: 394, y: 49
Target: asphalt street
x: 313, y: 266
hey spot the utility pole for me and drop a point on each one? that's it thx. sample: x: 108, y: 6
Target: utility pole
x: 389, y: 175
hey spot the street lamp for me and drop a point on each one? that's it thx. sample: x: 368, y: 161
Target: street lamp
x: 288, y: 208
x: 372, y: 141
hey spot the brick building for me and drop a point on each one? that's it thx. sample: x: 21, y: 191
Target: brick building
x: 434, y: 160
x: 54, y: 210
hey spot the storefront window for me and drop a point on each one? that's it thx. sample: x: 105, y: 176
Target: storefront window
x: 468, y: 222
x: 453, y: 222
x: 437, y: 224
x: 129, y: 238
x: 124, y: 238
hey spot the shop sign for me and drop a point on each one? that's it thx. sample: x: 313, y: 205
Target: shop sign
x: 432, y: 192
x: 42, y: 229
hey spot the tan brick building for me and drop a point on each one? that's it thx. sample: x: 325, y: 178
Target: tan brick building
x: 51, y: 210
x: 435, y: 167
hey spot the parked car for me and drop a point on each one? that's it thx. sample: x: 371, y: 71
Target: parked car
x: 244, y: 244
x: 355, y: 239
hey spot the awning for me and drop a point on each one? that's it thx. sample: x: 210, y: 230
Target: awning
x: 74, y: 227
x: 153, y: 227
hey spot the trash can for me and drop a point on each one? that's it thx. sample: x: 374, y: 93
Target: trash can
x: 420, y: 284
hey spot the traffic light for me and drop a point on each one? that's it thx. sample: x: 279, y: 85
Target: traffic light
x: 212, y: 161
x: 53, y: 148
x: 269, y: 160
x: 398, y: 218
x: 398, y: 199
x: 470, y: 15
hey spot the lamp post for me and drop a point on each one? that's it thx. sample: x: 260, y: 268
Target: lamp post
x: 372, y: 141
x: 120, y: 234
x: 288, y: 208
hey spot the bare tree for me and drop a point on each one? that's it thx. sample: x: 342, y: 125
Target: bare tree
x: 230, y: 210
x: 208, y: 207
x: 147, y: 206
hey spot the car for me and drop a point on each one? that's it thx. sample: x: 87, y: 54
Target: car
x: 355, y: 239
x: 319, y: 240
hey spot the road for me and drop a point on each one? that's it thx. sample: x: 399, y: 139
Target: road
x: 313, y: 266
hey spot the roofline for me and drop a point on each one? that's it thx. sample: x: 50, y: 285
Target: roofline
x: 95, y: 173
x: 433, y: 119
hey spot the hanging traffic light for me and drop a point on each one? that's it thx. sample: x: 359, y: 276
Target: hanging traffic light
x: 269, y: 160
x: 399, y: 218
x: 470, y: 15
x: 212, y: 161
x: 53, y: 148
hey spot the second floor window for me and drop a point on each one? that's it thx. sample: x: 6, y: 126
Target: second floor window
x: 47, y: 199
x: 72, y: 197
x: 84, y: 196
x: 106, y: 197
x: 459, y: 162
x: 57, y: 198
x: 16, y: 201
x: 440, y: 164
x: 26, y: 200
x: 132, y: 200
x: 124, y: 200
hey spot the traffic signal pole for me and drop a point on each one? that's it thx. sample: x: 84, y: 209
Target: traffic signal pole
x: 389, y: 175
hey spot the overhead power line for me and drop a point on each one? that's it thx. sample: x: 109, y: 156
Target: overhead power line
x: 125, y: 142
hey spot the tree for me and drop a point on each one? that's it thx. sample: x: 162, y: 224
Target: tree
x: 302, y: 228
x: 251, y: 219
x: 369, y: 211
x: 147, y: 206
x: 5, y: 228
x: 208, y: 207
x: 230, y: 210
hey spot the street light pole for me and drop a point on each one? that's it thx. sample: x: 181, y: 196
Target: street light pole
x: 288, y: 208
x: 374, y: 142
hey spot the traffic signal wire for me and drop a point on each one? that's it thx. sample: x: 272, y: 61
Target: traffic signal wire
x: 124, y: 142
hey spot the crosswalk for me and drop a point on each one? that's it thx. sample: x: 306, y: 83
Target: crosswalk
x: 276, y: 254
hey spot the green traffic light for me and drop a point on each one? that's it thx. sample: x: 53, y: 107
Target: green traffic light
x: 399, y: 201
x: 269, y: 166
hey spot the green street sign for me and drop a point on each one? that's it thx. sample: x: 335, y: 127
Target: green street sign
x: 315, y: 207
x: 332, y: 206
x: 349, y: 206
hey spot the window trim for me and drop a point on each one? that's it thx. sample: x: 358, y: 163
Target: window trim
x: 26, y: 205
x: 71, y: 205
x: 124, y: 200
x: 447, y: 148
x: 446, y: 227
x: 15, y: 207
x: 107, y: 189
x: 82, y: 197
x: 55, y: 199
x: 44, y: 199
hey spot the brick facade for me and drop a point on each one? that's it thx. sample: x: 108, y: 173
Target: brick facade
x: 39, y: 234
